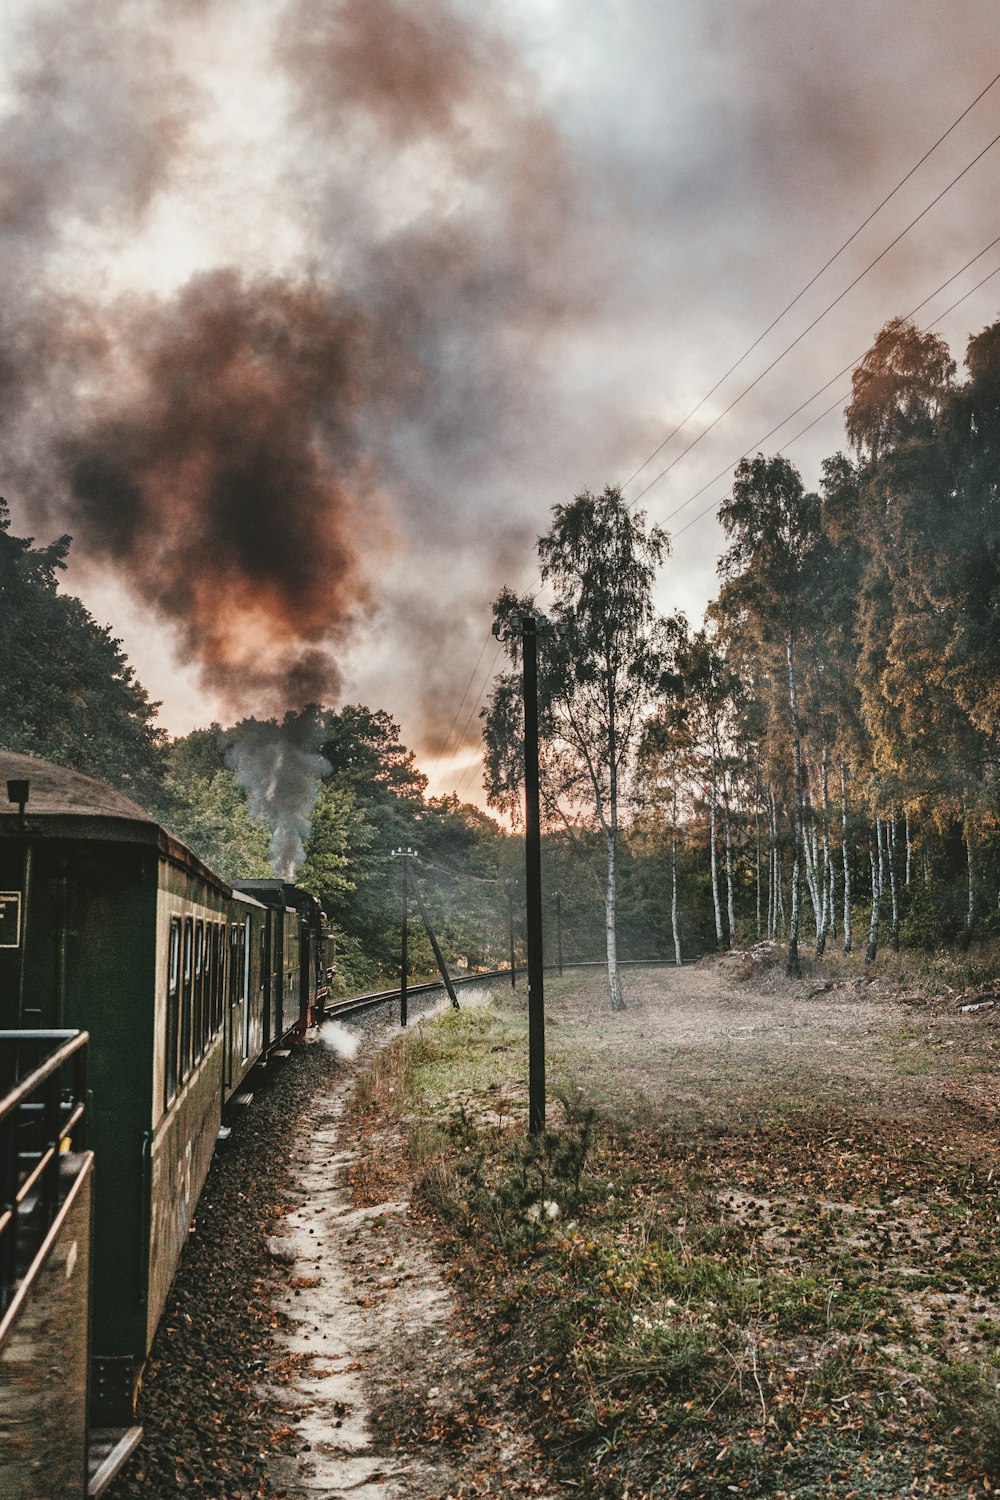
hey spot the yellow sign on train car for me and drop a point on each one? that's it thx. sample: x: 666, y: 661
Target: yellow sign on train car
x: 10, y: 919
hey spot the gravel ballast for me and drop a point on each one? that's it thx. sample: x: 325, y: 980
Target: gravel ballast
x: 204, y: 1407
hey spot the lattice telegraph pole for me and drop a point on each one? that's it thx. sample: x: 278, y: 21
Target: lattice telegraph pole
x: 530, y: 628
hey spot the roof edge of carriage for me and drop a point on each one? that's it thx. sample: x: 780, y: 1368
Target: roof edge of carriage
x: 63, y: 803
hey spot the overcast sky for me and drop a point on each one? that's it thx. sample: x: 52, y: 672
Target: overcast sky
x: 313, y: 310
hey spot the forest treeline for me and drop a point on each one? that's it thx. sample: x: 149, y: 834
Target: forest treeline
x: 838, y: 709
x: 816, y: 762
x: 818, y: 759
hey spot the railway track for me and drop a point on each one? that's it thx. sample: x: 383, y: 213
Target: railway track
x: 357, y: 1003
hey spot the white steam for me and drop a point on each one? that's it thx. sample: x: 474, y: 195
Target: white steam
x: 338, y: 1039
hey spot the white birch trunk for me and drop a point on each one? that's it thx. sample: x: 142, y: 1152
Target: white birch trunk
x: 829, y: 921
x: 772, y: 884
x: 611, y: 932
x: 890, y: 839
x: 846, y: 858
x: 809, y: 850
x: 970, y: 910
x: 730, y: 897
x: 793, y: 967
x: 715, y: 866
x: 673, y: 885
x: 756, y: 822
x: 877, y: 860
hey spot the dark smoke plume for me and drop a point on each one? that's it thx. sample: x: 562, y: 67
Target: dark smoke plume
x: 279, y: 767
x: 223, y: 478
x: 251, y: 452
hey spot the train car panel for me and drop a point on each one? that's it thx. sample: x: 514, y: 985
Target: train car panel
x: 245, y: 992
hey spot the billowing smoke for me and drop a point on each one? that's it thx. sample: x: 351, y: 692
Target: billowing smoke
x: 251, y: 451
x: 223, y: 476
x: 339, y: 1040
x: 279, y: 767
x: 312, y: 308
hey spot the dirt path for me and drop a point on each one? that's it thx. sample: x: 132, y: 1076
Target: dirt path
x: 384, y: 1392
x: 376, y: 1385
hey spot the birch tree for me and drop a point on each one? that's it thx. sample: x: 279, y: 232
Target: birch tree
x: 599, y: 560
x: 773, y: 526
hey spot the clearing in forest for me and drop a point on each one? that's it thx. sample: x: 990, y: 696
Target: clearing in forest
x: 757, y: 1252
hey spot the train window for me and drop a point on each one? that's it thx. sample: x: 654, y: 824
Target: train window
x: 234, y: 964
x: 246, y: 989
x: 187, y: 986
x: 224, y: 980
x: 212, y: 978
x: 173, y: 1010
x: 206, y: 985
x: 198, y: 991
x: 217, y: 952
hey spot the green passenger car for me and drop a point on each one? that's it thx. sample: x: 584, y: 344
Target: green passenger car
x: 109, y: 924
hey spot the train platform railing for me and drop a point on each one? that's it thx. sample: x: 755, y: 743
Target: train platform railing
x: 46, y: 1177
x: 43, y: 1102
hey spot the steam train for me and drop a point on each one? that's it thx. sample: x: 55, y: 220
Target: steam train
x: 184, y: 984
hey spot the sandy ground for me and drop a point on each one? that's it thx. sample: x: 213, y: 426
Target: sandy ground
x: 368, y: 1317
x: 706, y: 1039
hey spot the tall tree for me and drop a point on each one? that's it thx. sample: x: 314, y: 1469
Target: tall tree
x: 768, y: 573
x: 595, y: 684
x: 699, y: 706
x: 67, y: 691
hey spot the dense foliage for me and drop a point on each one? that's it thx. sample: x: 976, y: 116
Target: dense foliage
x: 599, y: 663
x: 67, y: 692
x: 820, y: 756
x: 854, y: 744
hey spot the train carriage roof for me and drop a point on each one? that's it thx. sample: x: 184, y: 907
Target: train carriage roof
x: 66, y: 804
x: 55, y: 790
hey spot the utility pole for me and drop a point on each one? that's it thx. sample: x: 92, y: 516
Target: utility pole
x: 528, y: 628
x: 404, y: 959
x: 510, y: 934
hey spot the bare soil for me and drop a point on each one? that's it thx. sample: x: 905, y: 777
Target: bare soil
x: 378, y: 1390
x: 726, y: 1035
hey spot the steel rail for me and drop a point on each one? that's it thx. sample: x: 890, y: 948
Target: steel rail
x: 384, y: 997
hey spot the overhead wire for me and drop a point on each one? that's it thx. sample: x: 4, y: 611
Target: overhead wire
x: 813, y: 279
x: 809, y: 327
x: 833, y: 406
x: 447, y: 740
x: 783, y: 422
x: 754, y: 447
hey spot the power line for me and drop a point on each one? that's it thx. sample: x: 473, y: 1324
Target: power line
x: 752, y: 448
x: 840, y: 373
x: 447, y: 741
x: 812, y: 281
x: 808, y: 329
x: 826, y: 412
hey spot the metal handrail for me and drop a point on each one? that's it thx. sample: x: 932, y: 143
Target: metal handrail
x: 73, y: 1041
x: 42, y: 1105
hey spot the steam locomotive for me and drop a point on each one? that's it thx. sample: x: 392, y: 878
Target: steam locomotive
x: 184, y: 984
